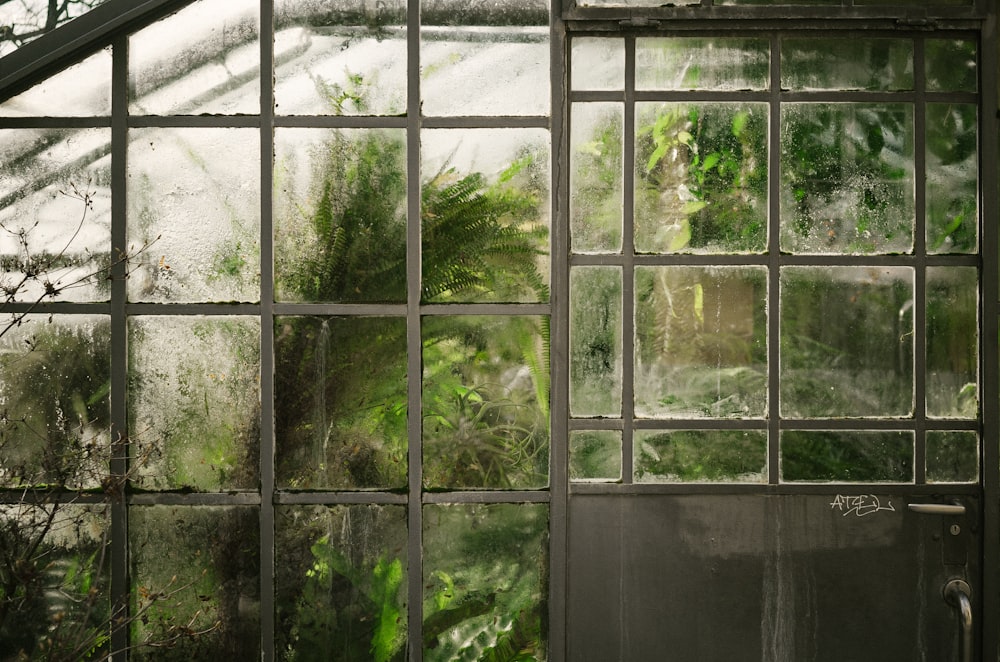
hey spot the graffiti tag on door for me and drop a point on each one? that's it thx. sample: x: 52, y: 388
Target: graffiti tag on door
x: 860, y: 505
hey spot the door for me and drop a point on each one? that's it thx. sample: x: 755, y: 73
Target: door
x: 775, y: 346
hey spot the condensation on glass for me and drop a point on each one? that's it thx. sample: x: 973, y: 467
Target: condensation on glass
x: 80, y: 90
x: 595, y: 455
x: 700, y: 456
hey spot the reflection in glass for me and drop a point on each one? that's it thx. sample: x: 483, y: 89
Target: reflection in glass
x: 485, y: 402
x: 595, y: 455
x: 700, y: 456
x: 952, y: 178
x: 207, y: 559
x: 951, y: 65
x: 847, y: 178
x: 204, y: 59
x: 846, y: 341
x: 847, y: 456
x: 485, y: 215
x: 666, y: 63
x: 596, y: 178
x: 81, y: 90
x: 340, y: 402
x: 952, y: 456
x: 340, y: 57
x: 55, y: 374
x: 847, y: 64
x: 194, y: 401
x: 595, y: 369
x: 597, y: 63
x: 341, y: 585
x: 340, y: 215
x: 952, y: 342
x: 54, y: 576
x: 55, y: 214
x: 194, y: 200
x: 701, y: 178
x: 484, y: 58
x: 700, y: 342
x: 484, y: 583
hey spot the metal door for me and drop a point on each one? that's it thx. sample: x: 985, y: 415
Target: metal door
x: 776, y: 310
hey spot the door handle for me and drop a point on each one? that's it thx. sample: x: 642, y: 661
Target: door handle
x: 937, y: 508
x: 958, y: 594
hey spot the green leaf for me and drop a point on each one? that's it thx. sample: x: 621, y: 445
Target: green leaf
x: 387, y: 577
x: 710, y: 161
x: 681, y: 239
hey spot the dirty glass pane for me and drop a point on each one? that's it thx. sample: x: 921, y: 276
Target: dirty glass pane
x: 485, y: 215
x: 595, y: 368
x: 340, y: 402
x: 951, y: 65
x: 484, y: 581
x: 340, y: 215
x: 700, y: 456
x: 27, y: 19
x: 847, y: 181
x: 194, y: 205
x: 596, y: 179
x: 952, y: 178
x: 194, y: 401
x: 915, y: 3
x: 205, y: 59
x: 195, y: 567
x: 55, y: 214
x: 835, y: 3
x: 952, y: 342
x: 597, y: 63
x: 480, y: 58
x: 485, y: 402
x: 700, y: 342
x: 952, y: 456
x: 847, y: 456
x: 846, y: 341
x: 80, y: 90
x: 665, y: 63
x: 340, y: 590
x: 846, y: 64
x: 340, y: 57
x: 701, y: 178
x: 54, y: 575
x: 595, y: 455
x: 633, y: 3
x: 55, y: 374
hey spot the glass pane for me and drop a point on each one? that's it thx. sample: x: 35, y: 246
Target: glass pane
x: 663, y: 63
x: 595, y: 455
x: 952, y: 456
x: 485, y: 581
x: 194, y: 401
x: 700, y: 342
x: 485, y: 402
x: 55, y: 376
x: 847, y: 178
x: 340, y: 402
x: 701, y: 178
x: 205, y: 59
x: 485, y: 215
x: 952, y: 178
x: 846, y: 64
x: 595, y: 369
x: 597, y: 63
x: 846, y: 341
x: 480, y: 58
x: 952, y: 342
x: 194, y: 200
x: 195, y: 568
x: 55, y: 214
x: 81, y: 90
x: 340, y: 215
x: 340, y: 57
x: 341, y: 591
x: 951, y: 65
x: 26, y: 21
x: 700, y: 456
x: 596, y: 178
x: 55, y: 575
x: 847, y: 457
